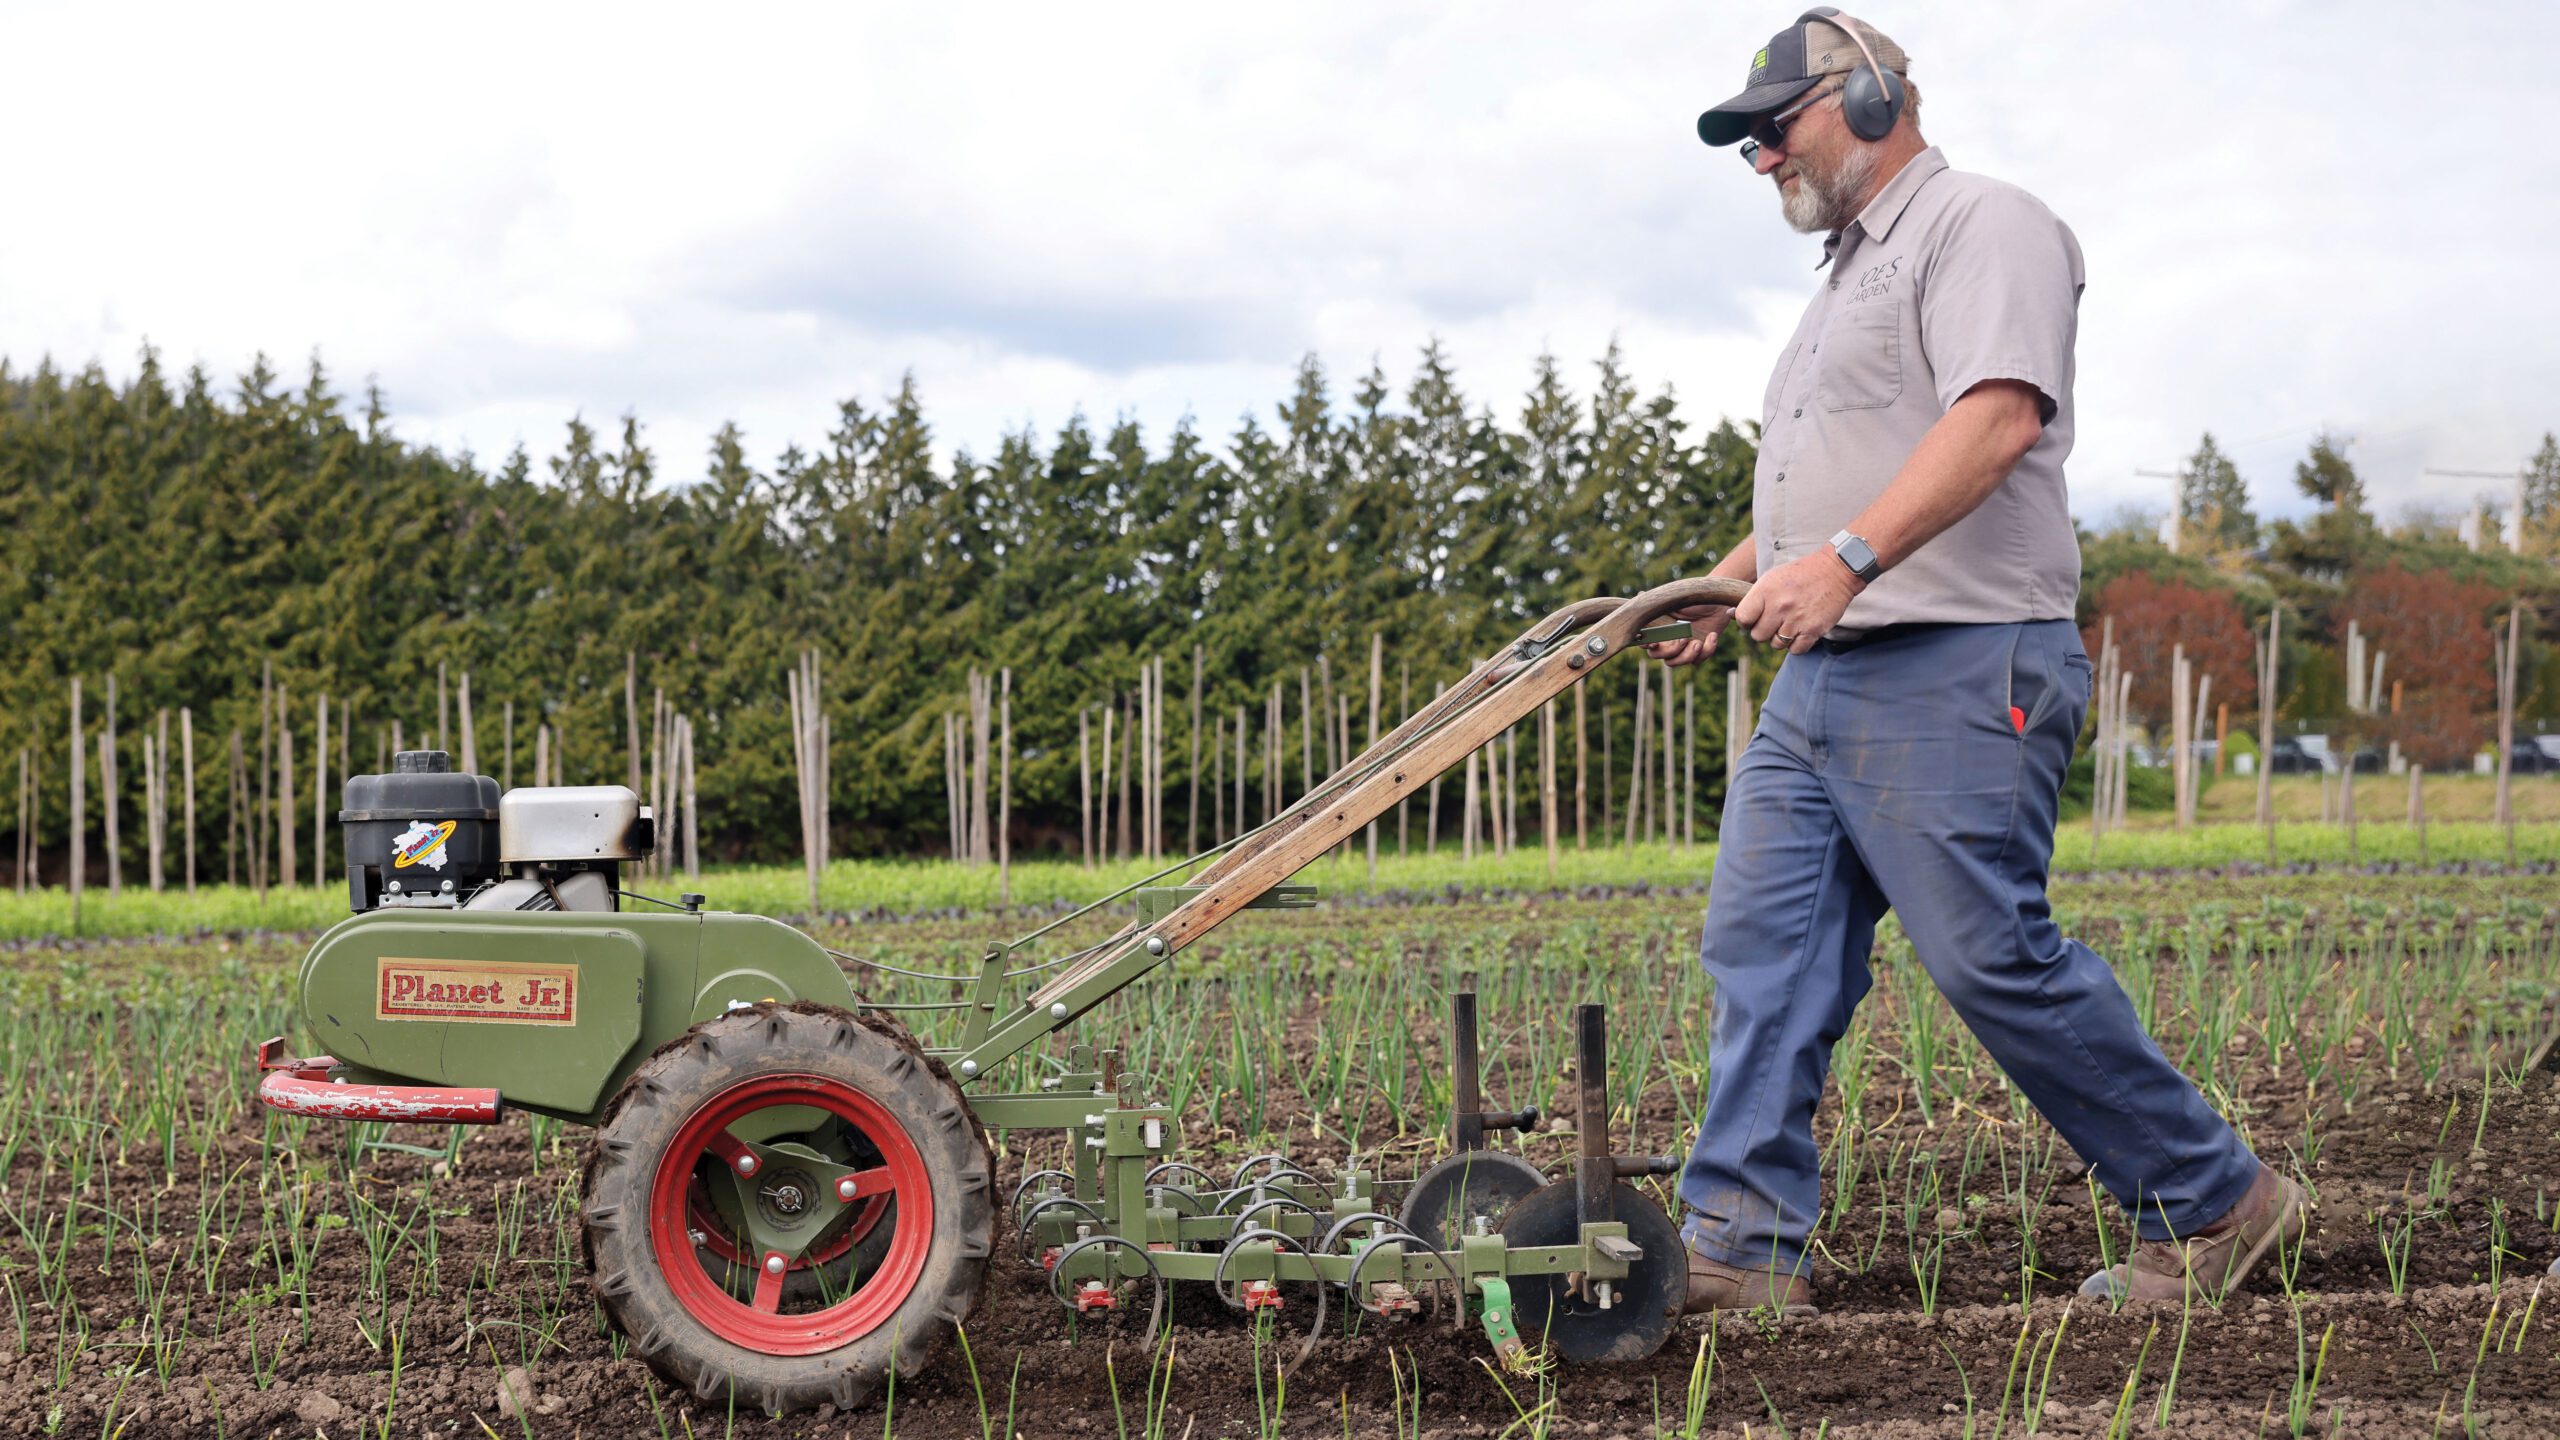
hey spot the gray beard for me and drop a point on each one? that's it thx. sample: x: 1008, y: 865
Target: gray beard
x: 1824, y: 203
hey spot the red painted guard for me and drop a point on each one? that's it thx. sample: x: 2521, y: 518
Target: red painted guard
x: 303, y: 1087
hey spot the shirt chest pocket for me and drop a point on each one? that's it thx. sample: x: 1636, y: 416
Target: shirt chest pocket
x: 1862, y: 358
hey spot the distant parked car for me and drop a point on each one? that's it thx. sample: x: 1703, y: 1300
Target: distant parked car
x: 2536, y: 755
x: 2289, y: 758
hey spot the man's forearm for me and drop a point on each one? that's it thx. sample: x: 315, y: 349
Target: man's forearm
x: 1742, y: 562
x: 1955, y: 467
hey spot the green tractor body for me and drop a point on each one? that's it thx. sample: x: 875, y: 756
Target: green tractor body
x: 552, y: 1009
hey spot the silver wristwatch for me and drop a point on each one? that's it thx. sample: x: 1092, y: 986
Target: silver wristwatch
x: 1858, y: 555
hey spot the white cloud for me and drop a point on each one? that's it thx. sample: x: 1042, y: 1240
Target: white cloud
x: 2294, y: 215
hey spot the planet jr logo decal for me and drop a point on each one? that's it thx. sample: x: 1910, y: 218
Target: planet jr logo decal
x: 421, y: 844
x: 490, y: 991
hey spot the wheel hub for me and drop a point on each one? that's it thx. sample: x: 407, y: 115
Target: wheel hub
x: 786, y: 1195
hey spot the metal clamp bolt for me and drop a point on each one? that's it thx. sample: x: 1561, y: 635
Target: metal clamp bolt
x: 846, y: 1189
x: 774, y: 1264
x: 968, y: 1067
x: 1597, y: 645
x: 1057, y: 1009
x: 747, y: 1164
x: 1155, y: 944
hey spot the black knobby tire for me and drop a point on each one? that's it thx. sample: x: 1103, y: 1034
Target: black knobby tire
x: 936, y: 1285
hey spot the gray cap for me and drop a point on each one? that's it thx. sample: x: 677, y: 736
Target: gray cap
x: 1793, y: 62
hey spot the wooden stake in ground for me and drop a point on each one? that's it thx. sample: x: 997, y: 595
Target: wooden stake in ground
x: 1191, y: 781
x: 507, y: 776
x: 1377, y: 685
x: 804, y: 745
x: 2267, y: 671
x: 692, y: 830
x: 982, y: 734
x: 2124, y: 703
x: 26, y: 817
x: 265, y: 778
x: 2179, y: 698
x: 2506, y: 661
x: 952, y: 827
x: 155, y: 834
x: 1608, y: 772
x: 1547, y: 827
x: 2195, y: 723
x: 2418, y: 807
x: 541, y: 754
x: 1324, y: 697
x: 1217, y: 778
x: 1670, y: 756
x: 1155, y: 768
x: 1102, y: 828
x: 1467, y: 814
x: 187, y: 759
x: 237, y: 811
x: 1581, y: 777
x: 79, y: 807
x: 288, y: 866
x: 630, y: 718
x: 107, y: 791
x: 1084, y: 782
x: 656, y: 795
x: 320, y: 783
x: 1239, y: 780
x: 444, y: 713
x: 1004, y: 786
x: 470, y: 736
x: 1638, y: 823
x: 1306, y: 731
x: 1129, y: 741
x: 1689, y: 763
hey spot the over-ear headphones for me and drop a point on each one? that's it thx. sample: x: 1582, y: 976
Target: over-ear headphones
x: 1871, y: 101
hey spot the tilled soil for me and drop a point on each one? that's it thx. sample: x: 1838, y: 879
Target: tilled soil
x: 2461, y: 1340
x: 1870, y: 1364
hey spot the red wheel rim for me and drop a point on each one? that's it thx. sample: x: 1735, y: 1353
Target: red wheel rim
x: 757, y: 1323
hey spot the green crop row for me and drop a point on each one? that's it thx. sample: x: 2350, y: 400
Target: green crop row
x: 914, y: 887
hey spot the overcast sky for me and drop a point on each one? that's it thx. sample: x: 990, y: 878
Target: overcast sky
x: 2293, y: 215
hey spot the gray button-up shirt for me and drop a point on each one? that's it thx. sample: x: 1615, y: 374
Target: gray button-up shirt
x: 1944, y: 281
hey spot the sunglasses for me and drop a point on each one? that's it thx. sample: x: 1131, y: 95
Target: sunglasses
x: 1770, y: 131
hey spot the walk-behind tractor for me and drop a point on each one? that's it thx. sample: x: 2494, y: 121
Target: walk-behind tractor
x: 787, y: 1194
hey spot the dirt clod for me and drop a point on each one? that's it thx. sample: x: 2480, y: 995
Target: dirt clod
x: 515, y: 1392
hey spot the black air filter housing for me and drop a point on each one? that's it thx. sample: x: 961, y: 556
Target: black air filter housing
x: 423, y: 827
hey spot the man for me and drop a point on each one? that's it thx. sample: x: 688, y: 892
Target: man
x: 1913, y: 553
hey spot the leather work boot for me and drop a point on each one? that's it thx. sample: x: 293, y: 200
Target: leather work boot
x: 2219, y: 1256
x: 1714, y: 1285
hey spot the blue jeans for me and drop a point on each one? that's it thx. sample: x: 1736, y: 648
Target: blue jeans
x: 1890, y: 774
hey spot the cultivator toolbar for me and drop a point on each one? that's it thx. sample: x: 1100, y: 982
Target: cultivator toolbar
x: 789, y: 1195
x: 1587, y: 1266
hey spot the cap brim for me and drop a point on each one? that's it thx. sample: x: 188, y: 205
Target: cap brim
x: 1731, y: 120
